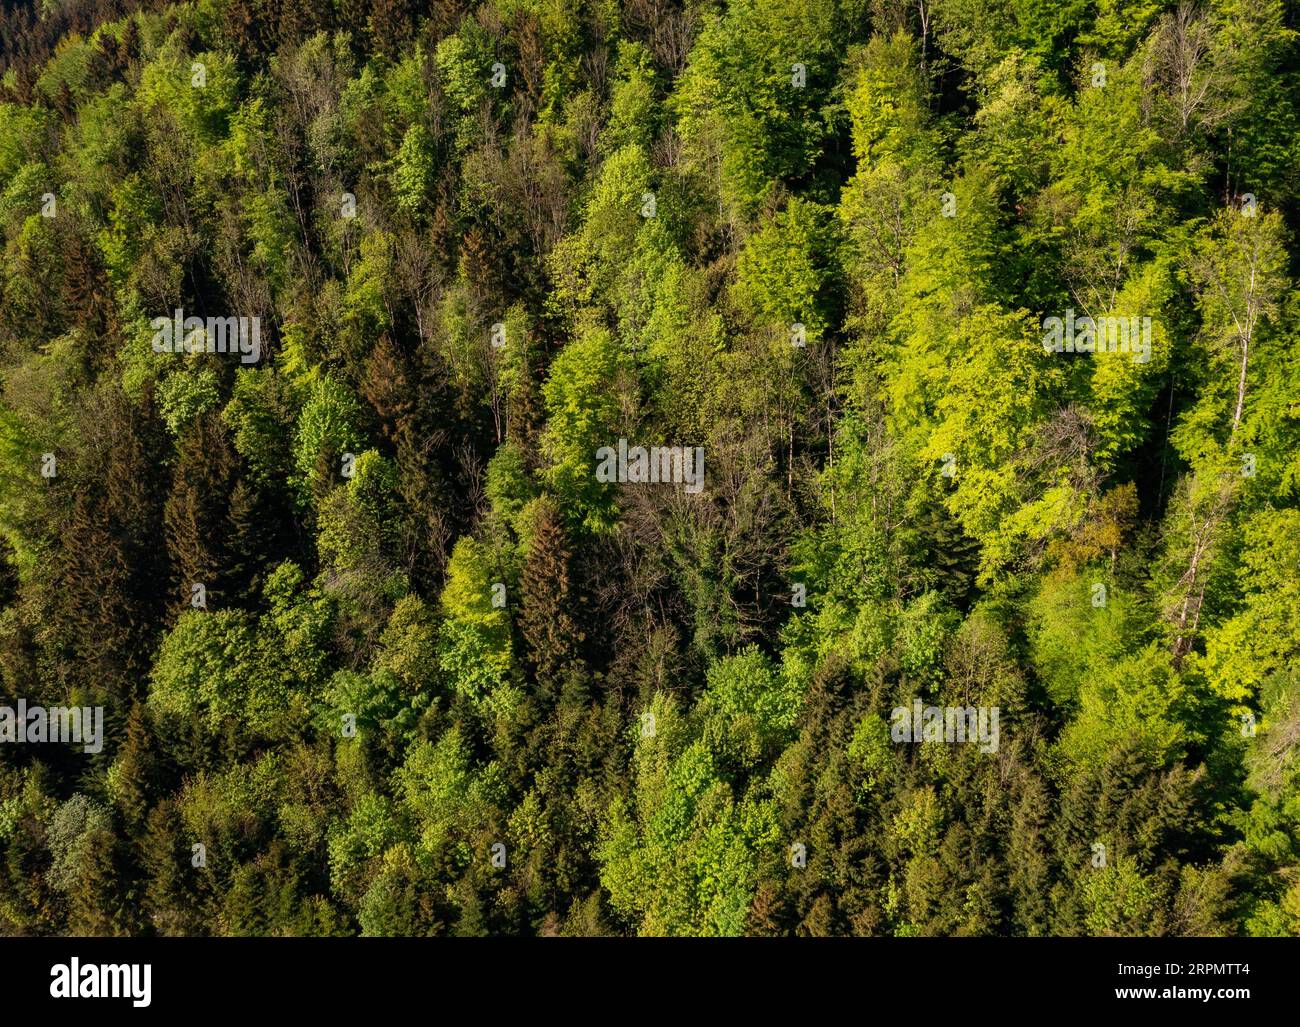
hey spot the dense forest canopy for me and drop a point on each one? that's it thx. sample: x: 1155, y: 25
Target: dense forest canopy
x: 542, y: 466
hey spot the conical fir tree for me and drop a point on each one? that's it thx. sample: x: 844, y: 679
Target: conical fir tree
x: 549, y: 623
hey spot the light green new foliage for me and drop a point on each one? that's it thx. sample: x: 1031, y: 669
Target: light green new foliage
x: 462, y: 72
x: 923, y: 501
x: 1122, y: 387
x: 748, y: 686
x: 587, y: 264
x: 683, y: 860
x: 359, y: 520
x: 19, y: 463
x: 299, y: 617
x: 692, y: 871
x: 633, y: 111
x: 1118, y: 898
x: 444, y: 794
x: 66, y: 829
x: 259, y: 399
x: 464, y: 63
x: 433, y: 783
x: 1237, y: 267
x: 681, y: 345
x: 134, y: 213
x: 583, y: 408
x: 272, y: 229
x: 508, y: 485
x: 463, y: 339
x: 784, y: 272
x: 408, y: 646
x: 1013, y: 126
x: 512, y: 364
x: 1271, y: 424
x: 944, y: 287
x: 23, y: 195
x: 642, y: 275
x: 474, y: 641
x: 406, y: 94
x: 1112, y: 170
x: 1138, y: 701
x: 738, y: 109
x: 1263, y: 639
x: 202, y: 111
x: 206, y: 662
x: 70, y: 67
x: 1071, y: 639
x: 230, y: 663
x: 329, y: 421
x: 888, y: 111
x: 924, y: 636
x: 871, y: 750
x: 367, y: 300
x: 187, y: 393
x: 413, y: 169
x: 367, y: 831
x: 995, y: 394
x: 21, y: 129
x: 248, y: 146
x: 882, y: 208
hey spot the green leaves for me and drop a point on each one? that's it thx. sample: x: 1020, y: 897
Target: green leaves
x: 738, y: 104
x: 451, y: 682
x: 413, y: 169
x: 787, y: 273
x: 1263, y: 638
x: 474, y: 646
x: 747, y: 686
x: 582, y: 406
x: 261, y: 672
x: 328, y: 427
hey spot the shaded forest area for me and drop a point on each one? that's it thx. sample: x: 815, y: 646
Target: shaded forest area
x: 378, y: 651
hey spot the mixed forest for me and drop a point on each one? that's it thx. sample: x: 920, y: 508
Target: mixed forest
x: 380, y: 653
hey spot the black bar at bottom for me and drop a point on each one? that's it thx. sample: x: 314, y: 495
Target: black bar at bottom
x: 600, y: 978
